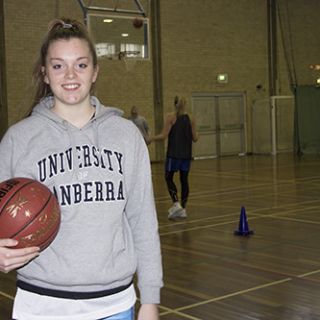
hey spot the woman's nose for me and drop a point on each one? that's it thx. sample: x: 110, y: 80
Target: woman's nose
x: 70, y: 74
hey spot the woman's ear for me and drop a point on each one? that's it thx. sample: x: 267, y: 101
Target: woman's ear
x: 45, y: 77
x: 95, y: 74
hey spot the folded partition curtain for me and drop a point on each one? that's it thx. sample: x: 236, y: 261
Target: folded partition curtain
x: 307, y: 119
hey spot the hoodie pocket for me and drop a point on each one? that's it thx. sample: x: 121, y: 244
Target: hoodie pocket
x: 118, y: 243
x: 123, y: 249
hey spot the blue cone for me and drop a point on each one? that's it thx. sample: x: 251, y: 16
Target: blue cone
x: 243, y: 225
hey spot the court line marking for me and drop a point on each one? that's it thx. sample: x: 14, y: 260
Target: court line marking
x: 208, y: 226
x: 256, y: 186
x: 253, y: 217
x: 6, y: 295
x: 256, y: 213
x: 184, y: 315
x: 182, y: 222
x: 265, y: 216
x: 176, y: 223
x: 228, y: 260
x: 172, y: 311
x: 192, y: 293
x: 308, y: 274
x: 177, y: 311
x: 208, y: 192
x: 234, y: 294
x: 168, y: 311
x: 294, y: 219
x: 200, y: 227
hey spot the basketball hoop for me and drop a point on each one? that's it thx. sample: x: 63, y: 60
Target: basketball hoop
x: 129, y: 58
x: 129, y: 63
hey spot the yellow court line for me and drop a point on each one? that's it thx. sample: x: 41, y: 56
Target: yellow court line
x: 190, y: 292
x: 253, y: 216
x: 6, y: 295
x: 177, y: 223
x: 184, y: 315
x: 293, y: 219
x: 208, y: 225
x: 308, y: 273
x: 180, y: 314
x: 171, y: 311
x: 177, y: 311
x: 208, y: 192
x: 234, y: 294
x: 199, y: 228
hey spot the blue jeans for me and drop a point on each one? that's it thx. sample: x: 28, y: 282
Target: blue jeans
x: 126, y: 315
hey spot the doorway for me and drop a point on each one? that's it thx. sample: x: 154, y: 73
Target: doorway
x: 220, y: 121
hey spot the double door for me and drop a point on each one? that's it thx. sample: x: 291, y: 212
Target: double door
x: 220, y: 121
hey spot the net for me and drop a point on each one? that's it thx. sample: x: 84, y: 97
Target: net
x: 129, y: 63
x: 273, y: 125
x: 129, y: 58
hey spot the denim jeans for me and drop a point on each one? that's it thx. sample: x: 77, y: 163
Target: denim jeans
x: 126, y: 315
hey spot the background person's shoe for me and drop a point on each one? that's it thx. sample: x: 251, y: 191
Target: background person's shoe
x: 183, y: 213
x: 174, y: 211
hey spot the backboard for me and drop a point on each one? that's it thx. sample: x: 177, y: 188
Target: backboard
x: 119, y: 28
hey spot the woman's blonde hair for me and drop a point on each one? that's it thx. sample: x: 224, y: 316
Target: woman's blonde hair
x: 180, y: 104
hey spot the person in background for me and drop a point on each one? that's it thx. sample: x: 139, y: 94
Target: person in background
x: 140, y: 122
x: 97, y: 165
x: 180, y: 129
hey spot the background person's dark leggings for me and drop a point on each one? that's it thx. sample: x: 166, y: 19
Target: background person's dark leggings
x: 172, y: 188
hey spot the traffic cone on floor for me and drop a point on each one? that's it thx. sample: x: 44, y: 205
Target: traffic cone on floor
x: 243, y: 224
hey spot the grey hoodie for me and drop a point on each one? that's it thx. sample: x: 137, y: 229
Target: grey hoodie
x: 101, y: 176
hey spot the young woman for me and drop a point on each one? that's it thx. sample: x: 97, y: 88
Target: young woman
x: 180, y: 129
x: 92, y: 159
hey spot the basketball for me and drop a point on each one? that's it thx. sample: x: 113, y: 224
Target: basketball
x: 29, y: 213
x: 137, y: 23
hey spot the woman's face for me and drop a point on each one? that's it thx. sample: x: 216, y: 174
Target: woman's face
x: 69, y: 71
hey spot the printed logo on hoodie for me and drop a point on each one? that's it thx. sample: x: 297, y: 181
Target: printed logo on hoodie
x: 82, y: 157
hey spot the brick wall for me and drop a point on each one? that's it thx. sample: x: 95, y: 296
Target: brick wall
x: 199, y: 39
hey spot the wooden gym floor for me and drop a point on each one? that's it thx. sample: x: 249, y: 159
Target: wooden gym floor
x: 210, y: 273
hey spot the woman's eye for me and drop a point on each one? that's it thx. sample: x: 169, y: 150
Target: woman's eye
x: 57, y: 66
x: 82, y: 65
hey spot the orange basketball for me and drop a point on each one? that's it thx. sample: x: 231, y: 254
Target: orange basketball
x: 29, y: 213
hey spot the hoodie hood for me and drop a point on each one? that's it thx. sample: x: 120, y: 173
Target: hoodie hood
x: 89, y: 132
x: 43, y: 109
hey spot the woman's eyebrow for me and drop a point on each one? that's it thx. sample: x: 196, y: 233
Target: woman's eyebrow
x: 62, y: 59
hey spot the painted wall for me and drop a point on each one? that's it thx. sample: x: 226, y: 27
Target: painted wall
x: 198, y: 40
